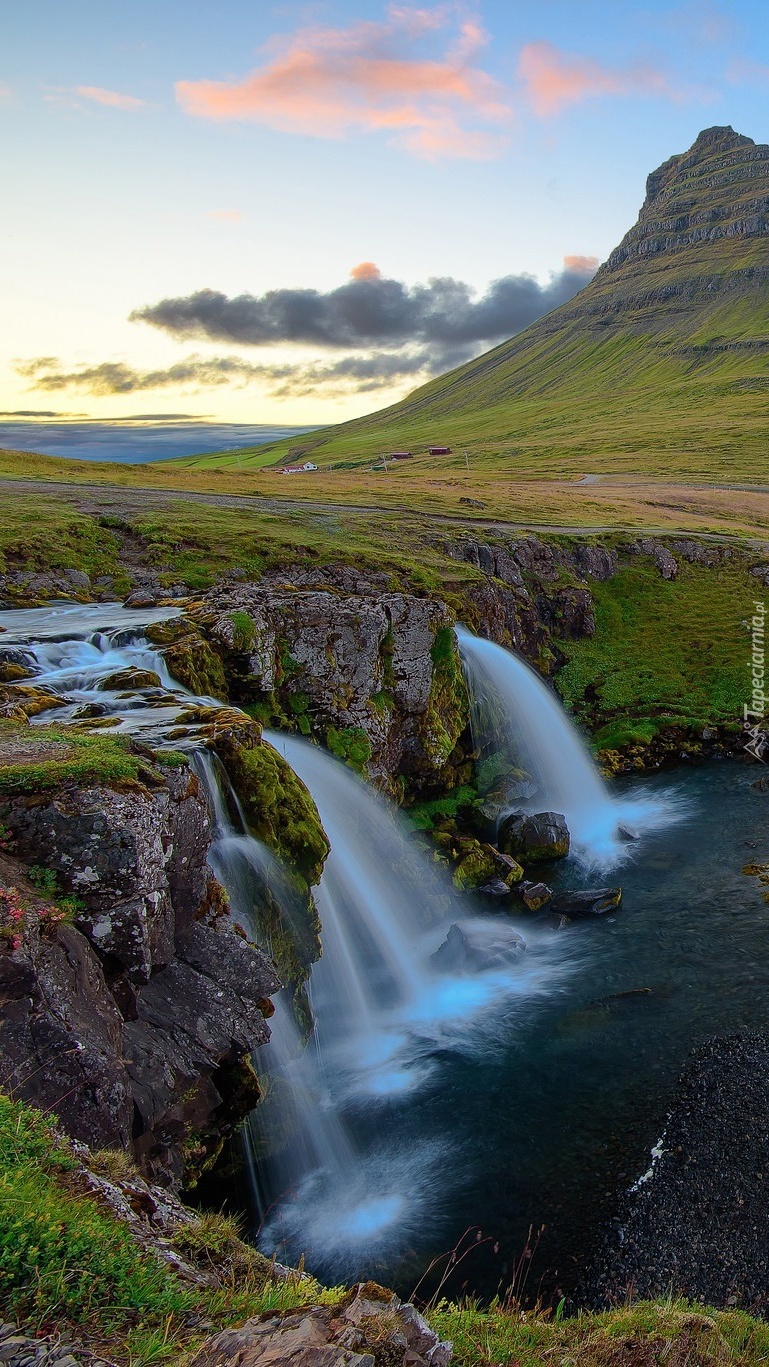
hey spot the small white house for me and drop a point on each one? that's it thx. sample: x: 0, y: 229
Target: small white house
x: 298, y: 469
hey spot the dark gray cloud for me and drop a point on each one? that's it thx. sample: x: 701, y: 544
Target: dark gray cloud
x: 371, y: 310
x: 355, y: 372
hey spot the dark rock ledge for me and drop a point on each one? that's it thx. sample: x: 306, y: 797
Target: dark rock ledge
x: 136, y: 1023
x: 696, y: 1224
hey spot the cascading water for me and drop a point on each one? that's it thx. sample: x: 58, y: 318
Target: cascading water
x: 386, y: 1013
x: 516, y: 716
x: 389, y: 1006
x: 73, y: 649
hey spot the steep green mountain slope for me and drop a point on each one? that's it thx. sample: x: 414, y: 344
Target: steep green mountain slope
x: 660, y: 365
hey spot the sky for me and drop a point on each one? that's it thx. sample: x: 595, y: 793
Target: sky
x: 247, y: 211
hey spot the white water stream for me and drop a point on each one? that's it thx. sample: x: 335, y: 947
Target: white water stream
x: 515, y: 715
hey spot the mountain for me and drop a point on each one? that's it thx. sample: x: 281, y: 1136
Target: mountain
x: 660, y: 364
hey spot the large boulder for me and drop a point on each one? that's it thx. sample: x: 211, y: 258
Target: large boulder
x: 535, y: 837
x: 376, y: 677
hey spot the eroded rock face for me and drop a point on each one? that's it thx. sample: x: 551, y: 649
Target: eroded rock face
x: 123, y: 854
x: 375, y: 678
x: 370, y: 1326
x: 136, y: 1024
x: 663, y: 558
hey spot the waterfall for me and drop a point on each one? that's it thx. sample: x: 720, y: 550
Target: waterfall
x: 385, y: 1015
x: 516, y: 716
x: 331, y: 1181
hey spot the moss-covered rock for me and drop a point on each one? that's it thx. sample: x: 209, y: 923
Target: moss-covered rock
x: 351, y: 744
x: 33, y: 700
x: 131, y: 679
x: 475, y: 867
x: 278, y: 807
x: 190, y: 658
x: 281, y: 813
x: 196, y: 666
x: 42, y: 757
x: 11, y: 671
x: 448, y: 708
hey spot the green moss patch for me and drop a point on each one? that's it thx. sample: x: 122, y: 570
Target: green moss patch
x: 49, y: 756
x: 244, y: 630
x: 665, y: 653
x: 448, y: 708
x: 278, y: 807
x: 351, y: 744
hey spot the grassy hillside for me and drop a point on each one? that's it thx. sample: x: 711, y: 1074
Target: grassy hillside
x: 660, y: 365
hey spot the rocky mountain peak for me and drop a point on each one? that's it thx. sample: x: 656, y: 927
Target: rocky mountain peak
x: 718, y: 188
x: 711, y: 142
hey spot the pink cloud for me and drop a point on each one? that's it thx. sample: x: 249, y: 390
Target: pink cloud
x: 109, y: 97
x: 366, y: 270
x: 326, y: 83
x: 582, y: 264
x: 226, y: 215
x: 554, y: 80
x: 6, y: 94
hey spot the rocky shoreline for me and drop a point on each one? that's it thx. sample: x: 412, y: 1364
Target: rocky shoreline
x: 695, y: 1223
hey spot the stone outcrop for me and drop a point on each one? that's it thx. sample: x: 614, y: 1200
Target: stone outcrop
x: 587, y: 903
x: 136, y: 1022
x: 19, y: 1349
x: 371, y: 1326
x: 375, y: 678
x: 693, y: 198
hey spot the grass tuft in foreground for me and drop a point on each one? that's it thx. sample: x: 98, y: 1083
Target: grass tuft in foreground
x: 68, y: 1264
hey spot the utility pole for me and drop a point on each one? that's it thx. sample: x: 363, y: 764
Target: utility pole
x: 467, y: 462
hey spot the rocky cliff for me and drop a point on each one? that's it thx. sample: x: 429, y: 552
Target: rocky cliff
x: 128, y: 1002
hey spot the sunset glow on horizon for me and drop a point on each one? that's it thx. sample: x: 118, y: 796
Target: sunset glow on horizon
x: 295, y: 214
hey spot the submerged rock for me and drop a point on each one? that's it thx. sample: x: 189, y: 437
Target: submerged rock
x: 588, y: 903
x: 474, y: 948
x: 494, y: 890
x: 534, y: 838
